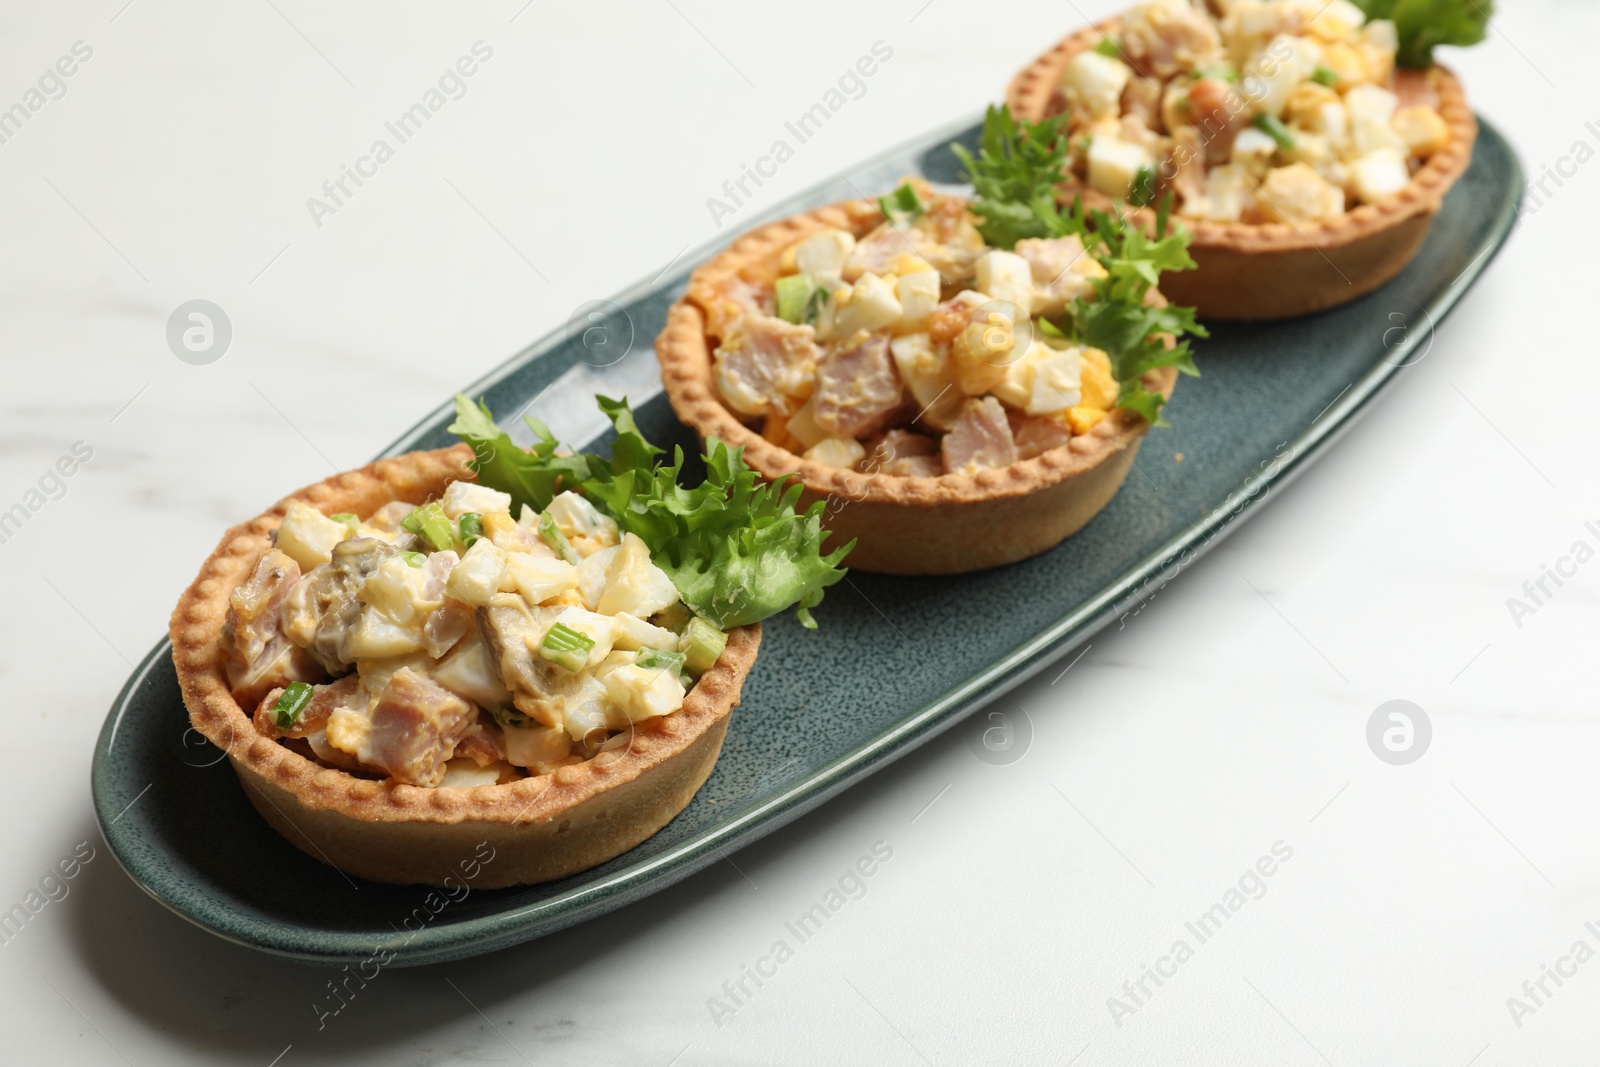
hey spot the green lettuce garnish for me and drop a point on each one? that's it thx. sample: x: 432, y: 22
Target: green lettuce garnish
x: 1015, y: 176
x: 736, y: 547
x: 532, y: 476
x: 1119, y: 321
x: 1423, y: 25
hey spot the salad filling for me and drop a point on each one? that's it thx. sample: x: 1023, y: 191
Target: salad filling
x: 958, y: 334
x: 520, y: 622
x: 1259, y: 111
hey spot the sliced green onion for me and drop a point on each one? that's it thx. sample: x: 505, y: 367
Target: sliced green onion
x: 1274, y: 128
x: 1325, y: 76
x: 660, y: 658
x: 566, y: 647
x: 430, y: 523
x: 414, y: 559
x: 901, y: 207
x: 551, y: 535
x: 1144, y: 186
x: 471, y: 526
x: 814, y: 304
x: 287, y: 708
x: 793, y: 292
x: 1223, y: 72
x: 702, y: 644
x: 1050, y: 329
x: 1107, y: 46
x: 348, y: 519
x: 509, y: 716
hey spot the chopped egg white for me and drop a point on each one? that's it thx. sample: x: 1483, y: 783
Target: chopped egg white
x: 1043, y: 381
x: 1095, y: 82
x: 634, y: 584
x: 918, y: 292
x: 539, y: 747
x: 644, y: 692
x: 481, y: 573
x: 842, y: 453
x: 307, y: 536
x: 462, y: 497
x: 1006, y: 276
x: 872, y: 306
x: 1055, y: 385
x: 1271, y: 77
x: 466, y: 774
x: 469, y: 671
x: 582, y: 523
x: 1378, y: 174
x: 630, y: 633
x: 1253, y: 149
x: 1114, y: 164
x: 398, y: 590
x: 379, y: 637
x: 1371, y: 110
x: 824, y: 252
x: 540, y: 578
x: 592, y: 576
x: 592, y: 708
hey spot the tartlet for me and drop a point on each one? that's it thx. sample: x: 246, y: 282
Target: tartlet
x: 536, y: 829
x: 1272, y: 270
x: 946, y: 524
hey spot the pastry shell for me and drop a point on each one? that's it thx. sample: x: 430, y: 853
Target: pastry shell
x: 1252, y: 271
x: 539, y: 828
x: 945, y: 525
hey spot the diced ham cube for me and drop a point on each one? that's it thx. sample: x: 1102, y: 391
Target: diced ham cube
x: 944, y: 238
x: 916, y: 467
x: 858, y: 389
x: 1141, y: 98
x: 764, y: 363
x: 484, y: 743
x: 415, y: 728
x: 259, y: 656
x: 906, y: 455
x: 731, y: 298
x: 1036, y: 435
x: 980, y: 438
x: 900, y: 444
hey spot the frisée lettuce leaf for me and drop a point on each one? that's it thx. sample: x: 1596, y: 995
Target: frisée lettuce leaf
x: 736, y: 547
x: 1015, y: 178
x: 1122, y: 321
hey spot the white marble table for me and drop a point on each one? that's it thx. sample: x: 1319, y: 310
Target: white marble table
x: 1225, y: 721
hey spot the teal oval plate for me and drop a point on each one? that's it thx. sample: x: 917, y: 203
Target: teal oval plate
x: 896, y: 660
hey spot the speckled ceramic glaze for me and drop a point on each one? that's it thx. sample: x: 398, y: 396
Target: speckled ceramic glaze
x: 819, y: 712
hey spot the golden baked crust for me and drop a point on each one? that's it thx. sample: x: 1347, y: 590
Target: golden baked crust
x: 539, y: 828
x: 944, y: 525
x: 1275, y: 270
